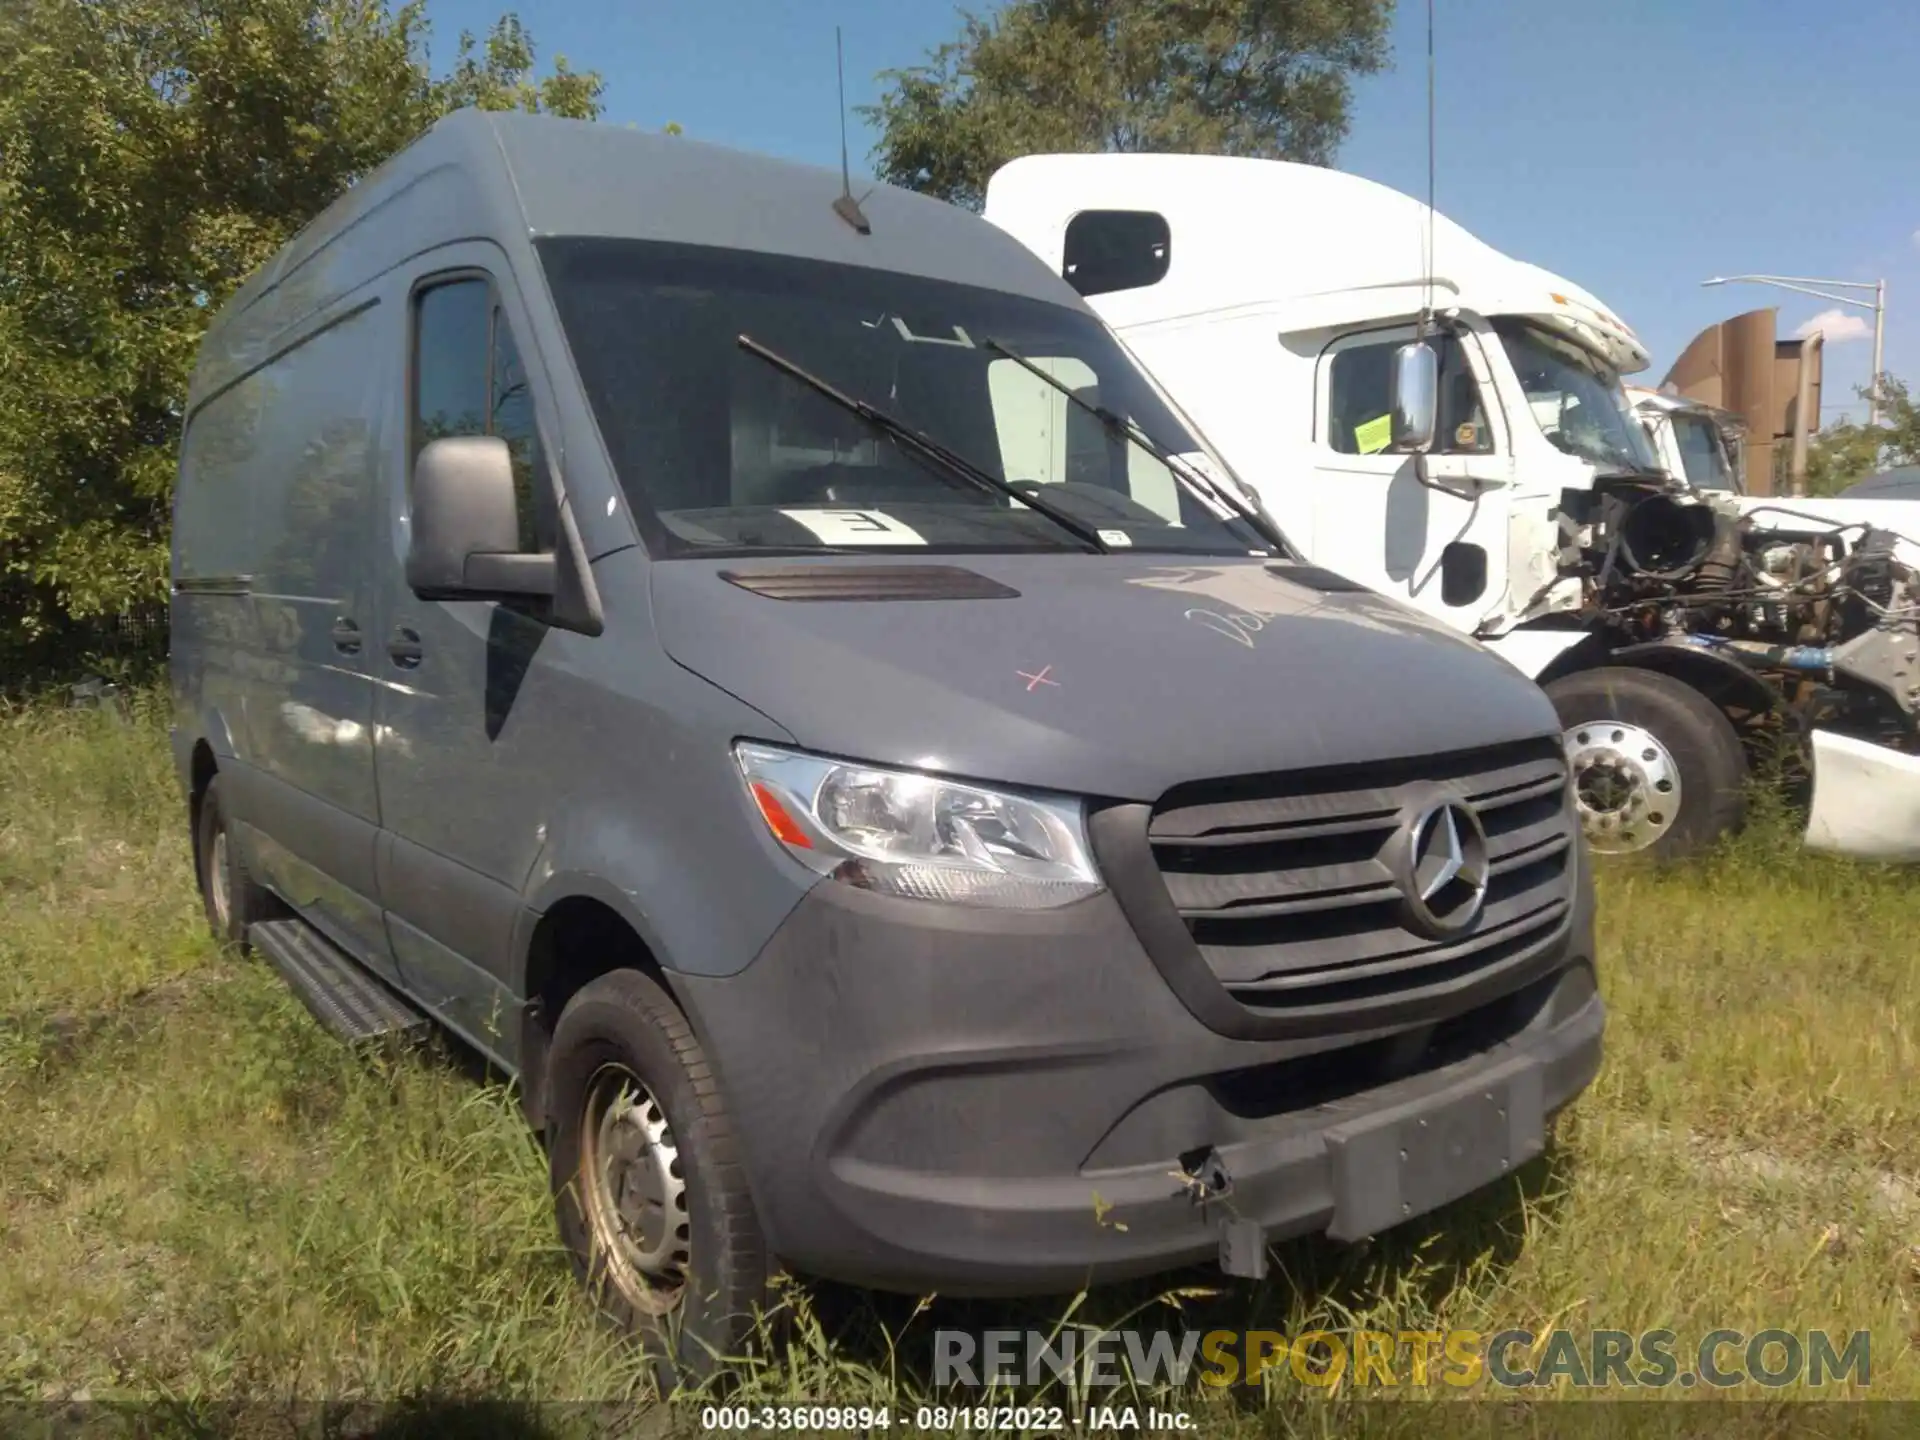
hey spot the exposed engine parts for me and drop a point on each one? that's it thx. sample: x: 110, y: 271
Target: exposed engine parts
x: 1664, y: 537
x: 1827, y: 616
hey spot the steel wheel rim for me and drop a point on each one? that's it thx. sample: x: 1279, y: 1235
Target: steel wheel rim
x: 217, y: 891
x: 634, y: 1187
x: 1626, y: 785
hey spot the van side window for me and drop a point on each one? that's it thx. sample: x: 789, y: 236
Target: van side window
x: 1108, y: 250
x: 468, y: 380
x: 1360, y: 399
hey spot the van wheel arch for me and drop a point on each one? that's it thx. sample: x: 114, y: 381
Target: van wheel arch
x: 579, y: 938
x: 662, y: 1227
x: 230, y: 895
x: 574, y: 941
x: 203, y: 768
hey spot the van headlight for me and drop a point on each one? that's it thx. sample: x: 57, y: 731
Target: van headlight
x: 918, y: 836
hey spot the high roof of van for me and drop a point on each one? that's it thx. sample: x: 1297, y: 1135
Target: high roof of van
x: 510, y: 177
x: 1249, y: 232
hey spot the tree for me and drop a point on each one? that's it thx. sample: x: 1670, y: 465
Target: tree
x: 1845, y: 452
x: 153, y: 153
x: 1268, y: 78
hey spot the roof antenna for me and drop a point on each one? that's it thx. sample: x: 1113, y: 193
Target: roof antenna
x: 846, y: 207
x: 1426, y: 312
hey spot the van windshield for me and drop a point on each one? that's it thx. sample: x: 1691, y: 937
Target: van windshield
x: 718, y: 451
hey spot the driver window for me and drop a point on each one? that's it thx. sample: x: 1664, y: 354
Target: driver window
x: 1360, y: 398
x: 468, y: 380
x: 1046, y: 438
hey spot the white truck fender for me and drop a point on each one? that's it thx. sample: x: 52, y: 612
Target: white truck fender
x: 1532, y: 651
x: 1866, y: 800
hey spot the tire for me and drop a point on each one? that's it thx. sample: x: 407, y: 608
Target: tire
x: 232, y: 898
x: 622, y: 1042
x: 1639, y: 741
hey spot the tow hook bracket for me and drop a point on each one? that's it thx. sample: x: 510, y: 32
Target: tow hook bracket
x: 1243, y: 1249
x: 1205, y: 1177
x: 1243, y: 1244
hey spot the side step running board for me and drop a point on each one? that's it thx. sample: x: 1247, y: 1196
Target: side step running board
x: 343, y: 995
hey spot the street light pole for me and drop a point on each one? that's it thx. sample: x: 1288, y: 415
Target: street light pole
x: 1879, y: 338
x: 1805, y: 286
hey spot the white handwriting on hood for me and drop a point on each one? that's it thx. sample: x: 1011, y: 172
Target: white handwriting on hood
x: 1239, y: 626
x: 1249, y: 597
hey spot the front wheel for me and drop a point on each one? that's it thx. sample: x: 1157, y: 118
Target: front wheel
x: 1658, y: 769
x: 651, y: 1195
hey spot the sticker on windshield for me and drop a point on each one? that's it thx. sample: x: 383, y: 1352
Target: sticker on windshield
x: 856, y: 527
x: 1374, y: 436
x: 1114, y: 537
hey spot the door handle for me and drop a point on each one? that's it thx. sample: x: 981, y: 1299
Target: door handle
x: 346, y: 636
x: 403, y: 648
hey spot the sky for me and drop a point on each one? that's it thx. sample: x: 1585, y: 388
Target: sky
x: 1636, y: 147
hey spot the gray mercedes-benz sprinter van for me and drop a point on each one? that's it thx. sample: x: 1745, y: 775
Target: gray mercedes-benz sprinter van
x: 766, y: 669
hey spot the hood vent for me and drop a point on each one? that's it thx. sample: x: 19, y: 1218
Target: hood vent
x: 869, y: 582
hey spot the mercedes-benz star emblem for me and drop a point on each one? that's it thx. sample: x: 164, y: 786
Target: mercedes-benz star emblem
x: 1446, y: 869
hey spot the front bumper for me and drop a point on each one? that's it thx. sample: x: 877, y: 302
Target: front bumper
x: 978, y: 1102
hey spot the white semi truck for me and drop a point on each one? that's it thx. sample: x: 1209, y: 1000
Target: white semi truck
x: 1693, y: 441
x: 1684, y: 632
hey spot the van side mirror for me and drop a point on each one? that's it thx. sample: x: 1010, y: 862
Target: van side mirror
x: 466, y: 526
x: 1416, y: 397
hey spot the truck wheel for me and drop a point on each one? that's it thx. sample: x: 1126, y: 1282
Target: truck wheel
x: 1657, y: 768
x: 648, y: 1187
x: 233, y: 899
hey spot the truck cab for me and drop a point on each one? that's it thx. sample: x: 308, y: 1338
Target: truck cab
x: 1694, y: 441
x: 1278, y: 335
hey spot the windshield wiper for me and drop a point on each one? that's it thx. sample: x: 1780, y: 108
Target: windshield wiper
x: 1213, y: 494
x: 1630, y: 472
x: 924, y: 445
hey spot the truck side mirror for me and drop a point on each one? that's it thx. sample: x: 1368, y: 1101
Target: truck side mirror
x: 1416, y: 397
x: 466, y: 526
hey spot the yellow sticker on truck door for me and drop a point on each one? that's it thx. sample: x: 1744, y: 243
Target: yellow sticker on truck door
x: 1374, y: 436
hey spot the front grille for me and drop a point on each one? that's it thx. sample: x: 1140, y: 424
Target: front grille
x: 1287, y: 883
x: 1324, y: 1077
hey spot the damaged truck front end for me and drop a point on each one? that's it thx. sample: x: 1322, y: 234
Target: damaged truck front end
x: 1801, y: 625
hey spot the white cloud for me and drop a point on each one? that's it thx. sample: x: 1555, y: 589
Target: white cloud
x: 1916, y: 239
x: 1839, y: 326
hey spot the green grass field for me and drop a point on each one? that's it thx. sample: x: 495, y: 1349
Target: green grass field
x: 203, y: 1198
